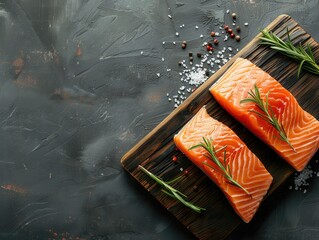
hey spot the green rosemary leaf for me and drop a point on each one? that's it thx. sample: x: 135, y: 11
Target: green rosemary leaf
x: 299, y: 68
x: 174, y: 180
x: 170, y: 191
x: 303, y: 56
x: 221, y: 168
x: 267, y: 113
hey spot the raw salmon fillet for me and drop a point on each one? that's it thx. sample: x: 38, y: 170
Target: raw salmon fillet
x: 301, y: 128
x: 245, y: 167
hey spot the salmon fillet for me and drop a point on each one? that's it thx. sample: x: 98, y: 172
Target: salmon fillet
x: 301, y: 128
x: 245, y: 167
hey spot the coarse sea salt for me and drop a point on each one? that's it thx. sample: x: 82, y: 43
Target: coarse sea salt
x: 301, y: 180
x: 194, y: 72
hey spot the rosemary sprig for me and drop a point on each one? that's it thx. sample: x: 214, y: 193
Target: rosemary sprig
x: 266, y: 113
x: 305, y: 58
x: 222, y: 167
x: 170, y: 191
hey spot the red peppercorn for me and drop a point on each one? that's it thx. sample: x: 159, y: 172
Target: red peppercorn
x: 174, y: 158
x: 186, y: 172
x: 232, y: 35
x: 212, y: 34
x: 229, y: 30
x: 237, y: 38
x: 209, y: 48
x: 226, y: 27
x: 216, y: 41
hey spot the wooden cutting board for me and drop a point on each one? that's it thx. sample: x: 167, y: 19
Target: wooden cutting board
x: 156, y: 150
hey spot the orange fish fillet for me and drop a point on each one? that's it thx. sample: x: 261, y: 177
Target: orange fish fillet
x: 245, y: 167
x: 301, y: 128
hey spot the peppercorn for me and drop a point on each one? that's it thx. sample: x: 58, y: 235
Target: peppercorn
x: 233, y: 15
x: 232, y: 35
x: 184, y: 44
x: 209, y: 47
x: 212, y: 34
x: 229, y: 30
x: 226, y: 27
x: 238, y: 29
x: 237, y: 38
x: 174, y: 158
x: 216, y: 41
x: 190, y: 54
x: 199, y: 55
x: 180, y: 63
x: 195, y: 188
x: 191, y: 59
x: 207, y: 73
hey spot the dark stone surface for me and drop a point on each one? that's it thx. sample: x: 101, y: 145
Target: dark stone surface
x: 76, y: 94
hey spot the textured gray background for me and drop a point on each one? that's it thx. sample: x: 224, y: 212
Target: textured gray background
x: 76, y: 94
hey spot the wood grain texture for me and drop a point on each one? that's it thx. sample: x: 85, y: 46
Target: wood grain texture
x: 156, y: 150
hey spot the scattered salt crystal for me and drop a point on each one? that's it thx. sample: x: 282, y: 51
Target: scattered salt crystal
x: 163, y: 59
x: 201, y: 36
x: 169, y: 16
x: 163, y: 43
x: 230, y: 49
x: 246, y: 23
x: 181, y: 169
x: 169, y: 99
x: 225, y: 38
x: 177, y: 34
x: 196, y: 27
x: 300, y: 179
x: 181, y: 26
x: 158, y: 74
x: 142, y: 52
x: 168, y: 69
x: 167, y: 94
x: 227, y: 11
x: 174, y: 43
